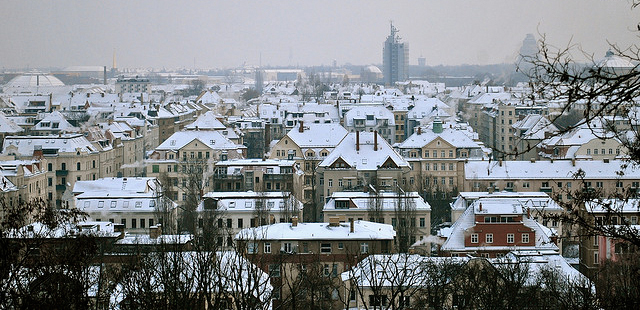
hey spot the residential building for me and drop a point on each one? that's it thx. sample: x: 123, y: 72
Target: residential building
x: 190, y: 153
x: 365, y: 158
x: 529, y: 132
x: 136, y: 203
x: 492, y: 227
x: 407, y: 212
x: 370, y: 118
x: 133, y: 85
x: 260, y: 175
x: 287, y: 249
x: 437, y: 157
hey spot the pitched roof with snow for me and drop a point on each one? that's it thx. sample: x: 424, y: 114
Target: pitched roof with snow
x: 387, y: 200
x: 455, y: 137
x: 213, y: 139
x: 317, y: 135
x: 366, y: 158
x: 8, y: 126
x: 534, y: 126
x: 559, y: 169
x: 66, y: 143
x: 207, y: 121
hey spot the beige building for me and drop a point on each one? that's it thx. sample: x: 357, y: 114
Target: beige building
x: 308, y: 145
x: 408, y: 213
x: 69, y: 158
x: 437, y: 156
x: 361, y: 160
x: 188, y: 153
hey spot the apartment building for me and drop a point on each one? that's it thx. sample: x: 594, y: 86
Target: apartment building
x: 260, y: 175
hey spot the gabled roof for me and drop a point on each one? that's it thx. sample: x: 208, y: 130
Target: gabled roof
x: 457, y: 138
x: 53, y: 119
x: 213, y: 139
x: 558, y: 169
x: 206, y: 121
x: 66, y: 143
x: 317, y: 135
x: 386, y: 200
x: 366, y: 158
x: 535, y: 126
x: 8, y: 126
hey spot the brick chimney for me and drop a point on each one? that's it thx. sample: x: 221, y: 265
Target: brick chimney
x: 419, y: 130
x: 357, y: 141
x: 334, y: 221
x: 351, y: 226
x: 294, y: 221
x: 301, y: 129
x: 375, y: 140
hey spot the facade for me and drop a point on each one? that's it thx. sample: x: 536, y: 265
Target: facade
x: 190, y: 154
x: 69, y: 158
x: 234, y: 211
x: 136, y: 203
x: 287, y: 249
x: 529, y: 132
x: 308, y: 145
x: 362, y: 159
x: 370, y: 118
x: 437, y: 157
x: 556, y: 178
x: 133, y: 85
x: 395, y: 58
x: 407, y: 212
x: 259, y: 175
x: 609, y: 214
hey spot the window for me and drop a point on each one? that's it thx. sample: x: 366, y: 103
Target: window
x: 124, y: 223
x: 451, y: 167
x: 274, y: 270
x: 134, y: 223
x: 364, y: 247
x: 330, y: 182
x: 422, y: 222
x: 267, y: 247
x: 525, y: 238
x: 252, y: 248
x: 474, y: 238
x: 142, y: 223
x: 138, y: 204
x: 325, y: 248
x: 489, y: 238
x: 287, y: 248
x: 599, y: 184
x: 451, y: 153
x: 341, y: 245
x: 125, y: 204
x: 596, y: 259
x: 155, y: 168
x: 113, y: 204
x: 100, y: 204
x: 228, y: 223
x: 510, y: 238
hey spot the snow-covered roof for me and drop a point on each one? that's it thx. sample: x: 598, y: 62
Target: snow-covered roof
x: 246, y: 201
x: 534, y: 126
x: 385, y: 200
x: 317, y: 135
x: 370, y: 115
x: 558, y: 169
x: 535, y: 200
x: 363, y: 230
x: 116, y: 187
x: 212, y: 139
x: 366, y: 158
x: 8, y: 126
x: 457, y: 138
x: 612, y: 205
x: 207, y: 121
x: 66, y: 143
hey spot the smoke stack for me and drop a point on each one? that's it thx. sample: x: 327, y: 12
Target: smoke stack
x: 351, y: 226
x: 301, y: 129
x: 294, y: 221
x: 357, y: 140
x: 375, y: 140
x: 104, y: 75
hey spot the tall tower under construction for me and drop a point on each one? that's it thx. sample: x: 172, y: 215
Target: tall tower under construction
x: 395, y: 58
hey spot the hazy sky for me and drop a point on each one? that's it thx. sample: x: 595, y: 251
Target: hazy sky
x: 222, y: 34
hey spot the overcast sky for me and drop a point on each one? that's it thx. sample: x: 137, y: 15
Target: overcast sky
x: 223, y: 34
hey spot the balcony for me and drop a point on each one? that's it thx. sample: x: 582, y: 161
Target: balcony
x: 61, y: 187
x: 62, y: 173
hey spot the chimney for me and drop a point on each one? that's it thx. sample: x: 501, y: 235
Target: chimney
x: 155, y: 231
x: 301, y: 129
x: 573, y: 162
x: 528, y: 213
x: 334, y: 221
x: 351, y: 226
x: 419, y: 130
x: 500, y: 163
x: 533, y: 160
x: 375, y: 140
x: 357, y: 140
x: 480, y: 207
x: 105, y: 75
x: 490, y: 189
x: 294, y: 221
x: 37, y: 151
